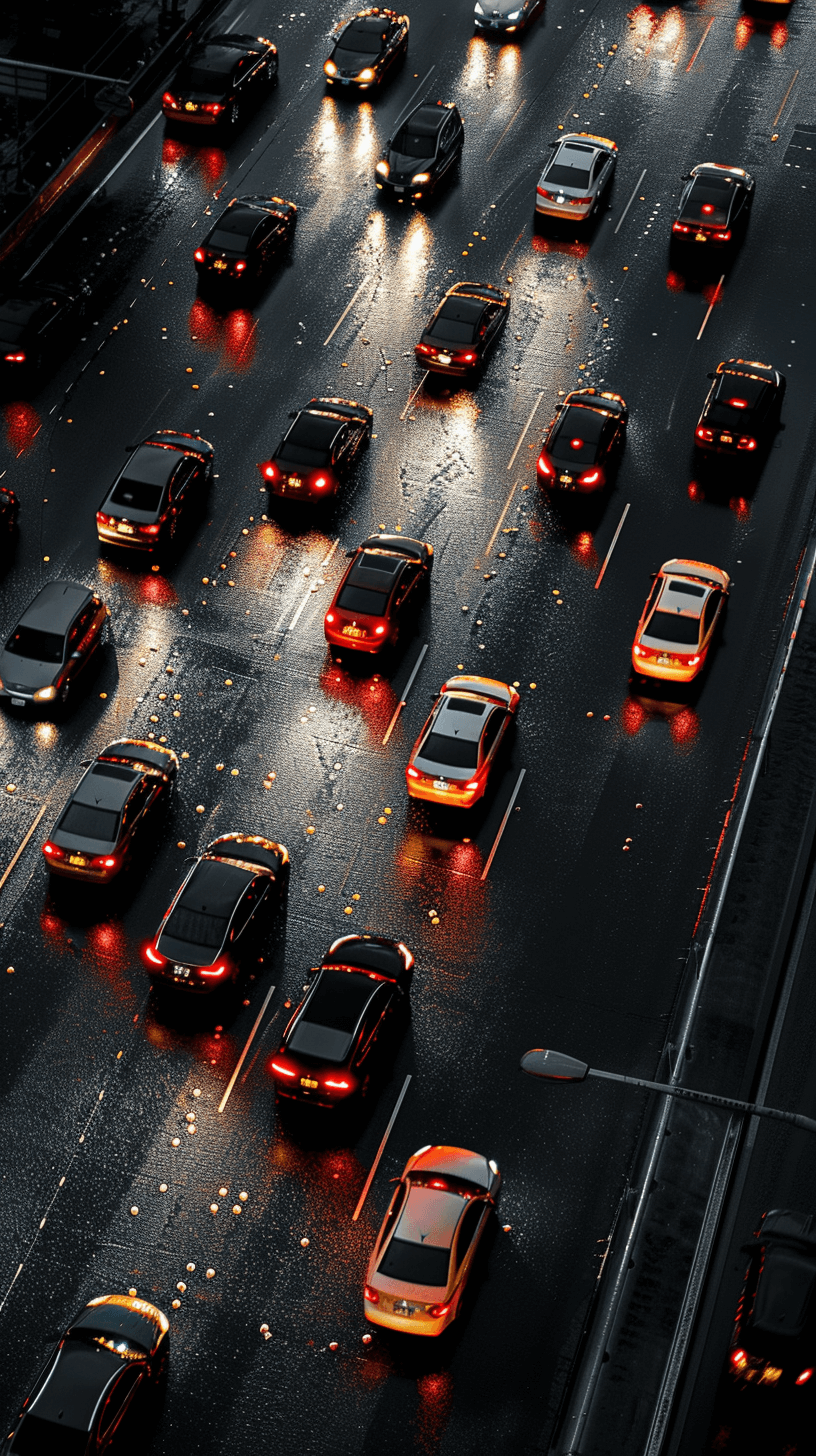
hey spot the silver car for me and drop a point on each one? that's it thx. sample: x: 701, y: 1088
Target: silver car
x: 503, y: 17
x: 577, y: 177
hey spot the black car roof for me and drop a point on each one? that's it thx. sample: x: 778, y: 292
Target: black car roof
x: 587, y: 423
x: 55, y: 606
x: 785, y: 1293
x: 426, y: 120
x: 339, y: 999
x: 377, y: 570
x: 20, y: 311
x: 106, y: 786
x: 379, y: 955
x: 215, y: 888
x: 463, y: 310
x: 152, y: 464
x: 314, y: 429
x: 79, y: 1378
x: 239, y: 217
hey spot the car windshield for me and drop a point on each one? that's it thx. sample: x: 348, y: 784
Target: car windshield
x: 139, y: 495
x: 362, y: 41
x: 415, y: 1263
x: 708, y: 201
x: 36, y: 1435
x: 39, y: 646
x: 562, y: 174
x: 672, y: 627
x: 452, y: 752
x: 363, y: 599
x: 411, y: 144
x: 88, y: 822
x: 222, y: 238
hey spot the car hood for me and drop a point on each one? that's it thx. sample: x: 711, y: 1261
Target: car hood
x: 24, y: 672
x: 500, y: 9
x: 402, y: 168
x: 351, y: 63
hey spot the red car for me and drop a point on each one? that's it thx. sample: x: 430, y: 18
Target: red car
x: 319, y: 449
x: 452, y: 758
x: 384, y: 587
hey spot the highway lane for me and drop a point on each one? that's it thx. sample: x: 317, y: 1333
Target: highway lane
x: 570, y: 940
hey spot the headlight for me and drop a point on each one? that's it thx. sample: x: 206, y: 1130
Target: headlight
x: 43, y: 695
x: 515, y: 15
x: 383, y: 169
x: 366, y: 75
x: 330, y: 68
x: 420, y: 177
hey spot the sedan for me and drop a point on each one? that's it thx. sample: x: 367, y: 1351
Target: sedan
x: 504, y: 17
x: 367, y: 49
x: 424, y: 151
x: 715, y: 206
x: 218, y: 919
x: 117, y: 805
x: 249, y: 235
x: 342, y: 1031
x: 429, y: 1240
x: 37, y: 323
x: 381, y: 591
x: 677, y: 624
x: 741, y: 413
x: 163, y: 483
x: 584, y: 440
x: 465, y: 327
x: 452, y: 758
x: 319, y: 449
x: 54, y: 642
x: 577, y: 177
x: 219, y: 78
x: 85, y: 1395
x: 774, y: 1338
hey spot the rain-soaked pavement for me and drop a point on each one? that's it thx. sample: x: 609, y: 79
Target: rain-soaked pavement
x: 576, y: 938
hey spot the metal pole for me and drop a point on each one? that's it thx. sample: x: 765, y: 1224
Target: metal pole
x: 750, y: 1109
x: 58, y: 71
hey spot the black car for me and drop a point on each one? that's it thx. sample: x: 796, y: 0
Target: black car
x: 338, y: 1038
x: 124, y: 791
x: 87, y: 1393
x: 36, y: 323
x: 425, y: 150
x: 742, y: 410
x: 367, y: 48
x: 774, y: 1339
x: 219, y: 918
x: 714, y: 208
x: 504, y: 17
x: 584, y: 441
x: 380, y: 592
x: 165, y: 479
x: 248, y: 236
x: 465, y: 327
x: 220, y: 78
x: 319, y: 449
x: 54, y: 642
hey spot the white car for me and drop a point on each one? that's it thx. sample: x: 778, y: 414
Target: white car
x: 503, y: 17
x: 577, y: 177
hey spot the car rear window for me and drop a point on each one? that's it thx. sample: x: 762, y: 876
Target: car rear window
x: 415, y: 1263
x: 708, y: 202
x: 561, y: 175
x: 212, y: 78
x: 576, y: 438
x: 88, y: 822
x: 672, y: 627
x: 452, y: 752
x: 197, y: 927
x: 233, y: 242
x: 363, y: 599
x: 38, y: 646
x: 411, y: 144
x: 363, y: 41
x: 338, y: 1000
x: 36, y: 1435
x: 139, y: 495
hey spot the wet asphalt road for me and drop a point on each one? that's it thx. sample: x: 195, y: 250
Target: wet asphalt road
x: 570, y: 941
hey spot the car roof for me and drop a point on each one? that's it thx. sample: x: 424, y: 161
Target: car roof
x: 785, y: 1292
x: 376, y: 569
x: 589, y: 418
x: 684, y: 598
x: 315, y: 429
x: 239, y: 217
x: 253, y: 849
x: 461, y: 717
x: 427, y: 119
x: 77, y: 1381
x: 463, y: 309
x: 430, y: 1216
x: 214, y: 888
x: 339, y: 998
x: 106, y: 786
x: 152, y: 464
x: 55, y: 606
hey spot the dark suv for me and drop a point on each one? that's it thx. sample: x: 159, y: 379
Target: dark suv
x: 774, y: 1339
x: 424, y: 151
x: 56, y: 638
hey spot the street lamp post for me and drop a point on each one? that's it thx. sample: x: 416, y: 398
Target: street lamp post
x: 558, y: 1067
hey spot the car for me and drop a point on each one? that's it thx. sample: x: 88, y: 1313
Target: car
x: 504, y: 17
x: 464, y: 328
x: 37, y: 323
x: 53, y: 644
x: 251, y: 233
x: 219, y: 79
x: 429, y: 1240
x: 86, y: 1395
x: 577, y: 178
x: 164, y: 481
x: 344, y: 1029
x: 583, y: 441
x: 774, y: 1338
x: 678, y: 622
x: 218, y: 918
x: 742, y: 410
x: 319, y: 449
x: 9, y: 511
x: 367, y: 48
x: 715, y: 206
x: 380, y: 592
x: 451, y: 761
x: 125, y: 789
x: 424, y: 151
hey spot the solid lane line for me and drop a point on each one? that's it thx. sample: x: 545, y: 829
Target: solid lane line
x: 700, y: 46
x: 632, y: 198
x: 312, y: 589
x: 103, y: 183
x: 417, y: 665
x: 231, y: 1083
x: 21, y: 847
x: 710, y: 307
x: 500, y: 522
x: 347, y: 309
x: 511, y: 462
x: 381, y: 1149
x: 415, y: 393
x: 785, y: 99
x: 503, y: 825
x: 614, y: 544
x: 506, y: 129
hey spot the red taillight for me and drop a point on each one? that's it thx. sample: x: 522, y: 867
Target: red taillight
x: 212, y: 107
x: 704, y: 434
x: 804, y: 1377
x: 371, y: 1295
x: 53, y: 850
x: 723, y: 237
x: 543, y: 466
x: 474, y: 784
x: 379, y: 631
x: 319, y: 482
x: 424, y: 349
x: 282, y: 1070
x: 15, y: 358
x: 746, y: 443
x: 589, y: 477
x: 579, y: 201
x: 330, y: 616
x: 149, y: 530
x: 213, y: 970
x: 680, y: 227
x: 466, y: 358
x: 153, y: 957
x: 240, y: 266
x: 739, y: 1359
x: 269, y: 470
x: 340, y: 1085
x: 438, y: 1183
x: 542, y: 192
x: 438, y: 1311
x: 104, y: 862
x: 412, y: 773
x: 199, y: 255
x: 169, y: 100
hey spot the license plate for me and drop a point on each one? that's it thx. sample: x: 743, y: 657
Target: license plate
x: 18, y: 702
x: 124, y: 530
x: 565, y: 479
x: 441, y: 784
x: 664, y: 661
x: 726, y: 439
x: 181, y: 971
x: 700, y: 238
x: 307, y: 1082
x: 294, y: 481
x: 353, y: 632
x: 219, y: 264
x: 405, y: 1309
x: 190, y: 106
x: 399, y: 189
x: 77, y: 859
x: 443, y: 358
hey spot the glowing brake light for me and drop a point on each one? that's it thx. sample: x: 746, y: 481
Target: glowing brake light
x: 589, y: 477
x: 738, y: 403
x: 708, y: 207
x: 239, y: 267
x: 579, y: 201
x: 438, y: 1311
x: 199, y: 255
x: 692, y: 662
x: 52, y: 850
x: 104, y: 862
x: 424, y: 349
x: 320, y: 482
x: 15, y: 358
x: 739, y: 1359
x: 379, y: 631
x: 680, y: 227
x: 544, y: 467
x: 169, y: 100
x: 804, y: 1377
x: 330, y: 616
x: 212, y: 107
x: 156, y: 960
x: 746, y: 443
x: 704, y: 434
x: 342, y: 1086
x: 282, y: 1070
x: 269, y: 470
x: 148, y: 530
x: 213, y: 970
x: 542, y: 192
x: 723, y: 237
x: 412, y: 773
x: 474, y: 784
x: 371, y: 1295
x: 638, y: 651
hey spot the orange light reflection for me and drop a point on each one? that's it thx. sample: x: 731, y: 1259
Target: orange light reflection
x: 435, y: 1392
x: 741, y: 508
x: 743, y: 31
x: 675, y: 282
x: 373, y: 697
x: 684, y: 726
x: 575, y: 249
x: 582, y: 548
x: 633, y: 717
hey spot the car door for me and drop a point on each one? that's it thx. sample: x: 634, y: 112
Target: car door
x: 375, y: 1014
x: 119, y: 1398
x: 82, y: 639
x: 492, y: 734
x: 406, y: 598
x: 467, y: 1238
x: 177, y: 492
x: 134, y: 813
x: 711, y: 612
x: 601, y: 169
